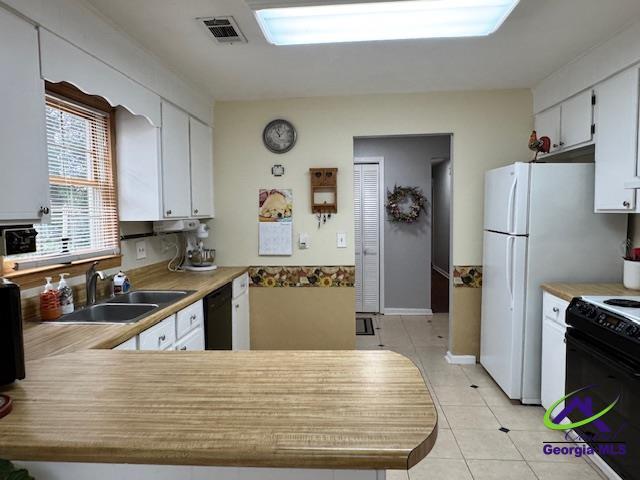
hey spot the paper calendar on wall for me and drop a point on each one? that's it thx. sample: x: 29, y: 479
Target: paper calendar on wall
x: 276, y: 239
x: 275, y: 228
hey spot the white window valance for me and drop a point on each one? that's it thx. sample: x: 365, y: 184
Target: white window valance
x: 64, y: 62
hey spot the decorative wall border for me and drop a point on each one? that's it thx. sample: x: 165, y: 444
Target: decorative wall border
x: 300, y: 276
x: 469, y: 276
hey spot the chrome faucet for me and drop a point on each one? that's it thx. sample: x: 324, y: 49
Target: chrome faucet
x: 91, y: 281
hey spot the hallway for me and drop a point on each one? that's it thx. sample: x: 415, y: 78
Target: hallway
x: 482, y: 434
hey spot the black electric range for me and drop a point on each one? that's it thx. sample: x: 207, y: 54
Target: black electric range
x: 603, y: 369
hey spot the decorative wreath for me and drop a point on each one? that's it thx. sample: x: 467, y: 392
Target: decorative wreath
x: 395, y: 201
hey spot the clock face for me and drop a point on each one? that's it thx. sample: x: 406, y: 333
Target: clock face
x: 279, y: 136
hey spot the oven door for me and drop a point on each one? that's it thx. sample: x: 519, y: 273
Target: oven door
x: 595, y: 365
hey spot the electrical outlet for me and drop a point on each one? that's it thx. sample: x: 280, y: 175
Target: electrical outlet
x: 341, y: 240
x: 141, y: 250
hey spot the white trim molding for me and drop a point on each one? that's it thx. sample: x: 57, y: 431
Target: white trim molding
x: 460, y: 359
x: 408, y: 311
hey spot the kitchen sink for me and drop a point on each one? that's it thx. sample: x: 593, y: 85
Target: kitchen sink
x: 150, y: 296
x: 109, y: 313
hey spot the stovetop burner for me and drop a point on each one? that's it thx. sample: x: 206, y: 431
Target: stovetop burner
x: 623, y: 302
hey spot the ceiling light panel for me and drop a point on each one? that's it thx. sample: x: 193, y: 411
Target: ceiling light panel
x: 390, y: 20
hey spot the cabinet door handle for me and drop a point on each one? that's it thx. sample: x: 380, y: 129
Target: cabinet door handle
x: 555, y: 145
x: 195, y: 211
x: 169, y: 212
x: 626, y: 204
x: 561, y: 144
x: 44, y: 210
x: 183, y: 348
x: 162, y: 338
x: 192, y: 318
x: 237, y: 306
x: 556, y: 310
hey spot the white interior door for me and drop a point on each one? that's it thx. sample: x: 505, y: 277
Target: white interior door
x: 366, y: 178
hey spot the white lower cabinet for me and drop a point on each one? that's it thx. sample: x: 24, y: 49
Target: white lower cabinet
x: 554, y: 350
x: 193, y: 341
x: 181, y: 331
x: 240, y: 317
x: 159, y: 337
x: 131, y: 344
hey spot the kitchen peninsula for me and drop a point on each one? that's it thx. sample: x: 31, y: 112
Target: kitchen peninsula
x: 332, y: 414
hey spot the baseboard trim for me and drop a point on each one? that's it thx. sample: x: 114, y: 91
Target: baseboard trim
x: 460, y: 359
x: 408, y: 311
x: 440, y: 271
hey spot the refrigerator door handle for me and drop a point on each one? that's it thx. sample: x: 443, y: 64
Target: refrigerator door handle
x: 511, y: 206
x: 509, y: 269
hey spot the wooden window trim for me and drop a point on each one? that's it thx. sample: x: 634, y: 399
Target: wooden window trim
x: 34, y: 277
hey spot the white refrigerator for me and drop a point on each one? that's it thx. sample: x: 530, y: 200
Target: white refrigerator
x: 539, y: 227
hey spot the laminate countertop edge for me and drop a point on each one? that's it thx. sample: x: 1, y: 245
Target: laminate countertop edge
x: 569, y: 291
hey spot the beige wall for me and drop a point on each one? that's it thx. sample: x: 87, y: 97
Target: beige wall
x: 490, y: 129
x: 310, y: 318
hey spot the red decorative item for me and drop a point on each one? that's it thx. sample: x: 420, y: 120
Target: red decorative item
x: 6, y: 405
x: 539, y: 145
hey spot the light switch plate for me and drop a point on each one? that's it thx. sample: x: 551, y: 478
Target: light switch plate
x: 341, y: 240
x: 304, y: 241
x: 141, y: 250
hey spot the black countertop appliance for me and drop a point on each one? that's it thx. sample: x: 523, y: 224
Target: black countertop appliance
x: 11, y: 342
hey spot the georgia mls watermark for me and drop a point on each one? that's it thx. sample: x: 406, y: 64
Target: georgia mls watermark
x: 604, y: 441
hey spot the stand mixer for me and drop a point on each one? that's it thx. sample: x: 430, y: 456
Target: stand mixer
x: 198, y: 258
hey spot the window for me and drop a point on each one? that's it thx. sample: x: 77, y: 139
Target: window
x: 84, y: 217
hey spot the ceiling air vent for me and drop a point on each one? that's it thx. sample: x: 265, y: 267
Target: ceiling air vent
x: 223, y: 29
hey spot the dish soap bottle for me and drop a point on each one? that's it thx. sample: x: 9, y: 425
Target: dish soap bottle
x: 49, y: 302
x: 121, y: 283
x: 65, y: 294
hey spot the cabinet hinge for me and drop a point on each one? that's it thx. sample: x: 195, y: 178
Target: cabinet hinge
x: 593, y: 129
x: 593, y: 99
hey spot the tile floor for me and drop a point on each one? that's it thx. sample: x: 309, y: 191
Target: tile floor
x: 471, y: 410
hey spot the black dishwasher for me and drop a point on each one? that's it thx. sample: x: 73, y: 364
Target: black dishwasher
x: 217, y: 319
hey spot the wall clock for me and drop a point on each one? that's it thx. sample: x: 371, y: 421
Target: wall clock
x: 279, y: 136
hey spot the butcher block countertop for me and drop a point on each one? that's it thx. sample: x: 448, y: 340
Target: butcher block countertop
x: 312, y: 409
x: 44, y: 339
x: 568, y: 291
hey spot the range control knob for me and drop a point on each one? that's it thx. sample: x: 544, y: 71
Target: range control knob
x: 602, y: 317
x: 632, y: 330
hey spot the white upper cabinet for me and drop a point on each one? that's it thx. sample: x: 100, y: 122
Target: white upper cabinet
x: 164, y: 172
x: 617, y: 141
x: 176, y: 178
x: 138, y: 154
x: 576, y: 120
x: 568, y: 125
x: 200, y: 136
x: 24, y: 194
x: 547, y: 124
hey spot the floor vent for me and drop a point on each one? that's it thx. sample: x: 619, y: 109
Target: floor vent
x: 223, y: 29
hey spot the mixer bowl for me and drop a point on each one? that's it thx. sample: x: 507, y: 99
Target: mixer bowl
x: 202, y: 257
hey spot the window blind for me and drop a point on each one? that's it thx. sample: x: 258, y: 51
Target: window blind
x: 84, y: 217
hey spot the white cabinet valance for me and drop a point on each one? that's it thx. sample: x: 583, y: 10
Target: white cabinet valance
x: 64, y: 62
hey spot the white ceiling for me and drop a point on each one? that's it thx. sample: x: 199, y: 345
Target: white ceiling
x: 538, y: 38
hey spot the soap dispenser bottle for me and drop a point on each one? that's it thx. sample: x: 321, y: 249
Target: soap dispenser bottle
x: 65, y: 293
x: 49, y: 302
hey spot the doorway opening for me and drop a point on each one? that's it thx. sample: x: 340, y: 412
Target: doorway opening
x: 394, y: 260
x: 440, y: 233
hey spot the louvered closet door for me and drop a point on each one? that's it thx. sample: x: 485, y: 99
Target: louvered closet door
x: 366, y: 193
x: 357, y: 199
